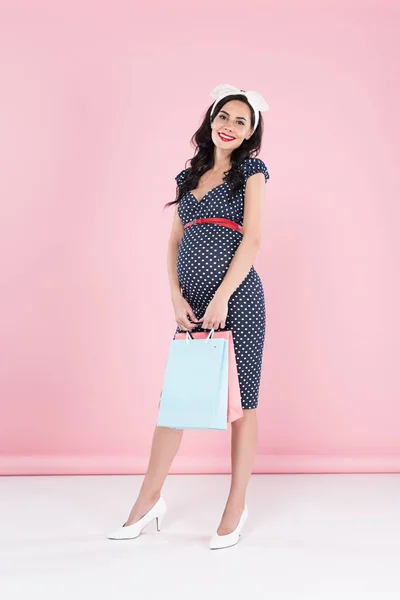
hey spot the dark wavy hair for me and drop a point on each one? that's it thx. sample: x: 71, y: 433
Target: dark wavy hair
x: 203, y: 160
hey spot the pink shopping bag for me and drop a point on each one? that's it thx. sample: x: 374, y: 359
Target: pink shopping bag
x: 235, y: 410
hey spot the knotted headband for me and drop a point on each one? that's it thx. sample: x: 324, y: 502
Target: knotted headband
x: 255, y: 99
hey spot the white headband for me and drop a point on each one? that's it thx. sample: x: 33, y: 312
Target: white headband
x: 255, y: 99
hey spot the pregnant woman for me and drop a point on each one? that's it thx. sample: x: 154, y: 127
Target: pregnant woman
x: 216, y: 233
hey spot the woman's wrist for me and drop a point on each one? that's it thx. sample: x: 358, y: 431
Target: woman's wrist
x: 176, y: 292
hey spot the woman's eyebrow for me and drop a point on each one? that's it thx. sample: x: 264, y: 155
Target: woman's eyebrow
x: 224, y: 111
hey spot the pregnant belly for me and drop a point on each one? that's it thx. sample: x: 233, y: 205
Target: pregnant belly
x: 203, y: 260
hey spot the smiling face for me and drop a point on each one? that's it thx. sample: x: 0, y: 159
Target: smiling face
x: 232, y: 125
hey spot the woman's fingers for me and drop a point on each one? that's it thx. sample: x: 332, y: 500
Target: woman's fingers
x: 215, y: 325
x: 185, y: 323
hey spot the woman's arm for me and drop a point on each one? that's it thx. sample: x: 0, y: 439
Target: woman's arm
x: 172, y: 253
x: 252, y: 229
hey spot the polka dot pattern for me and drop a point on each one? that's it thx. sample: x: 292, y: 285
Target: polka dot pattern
x: 204, y: 256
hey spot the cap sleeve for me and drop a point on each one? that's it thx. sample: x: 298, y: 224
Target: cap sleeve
x: 253, y: 166
x: 180, y: 178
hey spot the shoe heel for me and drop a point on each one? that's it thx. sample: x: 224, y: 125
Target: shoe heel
x: 159, y: 521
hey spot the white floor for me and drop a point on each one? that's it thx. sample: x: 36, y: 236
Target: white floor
x: 307, y: 537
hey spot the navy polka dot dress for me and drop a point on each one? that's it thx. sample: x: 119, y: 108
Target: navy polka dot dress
x: 204, y: 256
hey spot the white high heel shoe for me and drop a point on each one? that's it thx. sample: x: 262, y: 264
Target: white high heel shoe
x: 224, y: 541
x: 133, y: 531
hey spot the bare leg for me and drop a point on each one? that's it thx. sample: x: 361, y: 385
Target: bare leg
x: 244, y: 439
x: 165, y: 445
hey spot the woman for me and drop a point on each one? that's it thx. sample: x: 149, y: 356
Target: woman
x: 214, y: 285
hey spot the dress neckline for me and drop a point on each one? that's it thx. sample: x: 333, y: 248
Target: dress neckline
x: 204, y: 195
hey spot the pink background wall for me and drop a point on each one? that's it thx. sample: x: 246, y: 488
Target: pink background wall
x: 98, y: 102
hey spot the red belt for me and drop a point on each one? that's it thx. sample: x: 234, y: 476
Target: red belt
x: 216, y: 221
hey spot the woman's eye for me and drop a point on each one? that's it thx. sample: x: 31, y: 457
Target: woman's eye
x: 223, y: 117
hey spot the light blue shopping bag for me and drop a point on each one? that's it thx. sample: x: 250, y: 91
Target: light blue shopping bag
x: 195, y: 387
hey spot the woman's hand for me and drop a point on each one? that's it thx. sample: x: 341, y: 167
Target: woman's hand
x: 182, y: 309
x: 216, y: 313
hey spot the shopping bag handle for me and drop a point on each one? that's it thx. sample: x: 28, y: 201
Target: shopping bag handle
x: 189, y: 336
